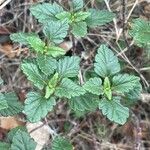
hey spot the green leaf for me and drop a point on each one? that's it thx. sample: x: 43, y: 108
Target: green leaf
x: 22, y: 141
x: 61, y: 143
x: 55, y: 51
x: 94, y: 85
x: 4, y: 146
x: 68, y: 66
x: 107, y: 88
x: 77, y: 4
x: 21, y: 37
x: 99, y: 17
x: 3, y: 102
x: 56, y: 31
x: 64, y: 16
x: 106, y: 63
x: 135, y: 93
x: 13, y: 131
x: 84, y: 102
x: 14, y: 106
x: 46, y: 12
x: 31, y: 70
x: 114, y: 110
x: 36, y: 43
x: 68, y: 89
x: 79, y: 29
x: 37, y: 106
x: 80, y: 16
x: 47, y: 64
x: 140, y: 31
x: 123, y: 83
x: 50, y: 89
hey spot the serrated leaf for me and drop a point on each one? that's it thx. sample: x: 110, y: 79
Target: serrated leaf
x: 47, y: 64
x: 4, y: 146
x: 36, y: 43
x: 114, y: 110
x: 94, y: 85
x: 80, y: 16
x: 106, y: 63
x: 135, y: 93
x: 46, y: 12
x: 79, y: 29
x: 3, y: 102
x: 99, y: 17
x: 123, y: 83
x: 61, y: 143
x: 68, y: 89
x: 64, y: 16
x: 22, y: 141
x: 56, y: 31
x: 21, y: 37
x: 55, y: 51
x: 13, y: 131
x: 85, y: 102
x: 37, y: 106
x: 77, y: 4
x: 14, y: 106
x: 68, y: 66
x: 140, y: 31
x: 31, y: 70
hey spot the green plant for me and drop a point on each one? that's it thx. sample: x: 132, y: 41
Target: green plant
x: 140, y: 31
x: 55, y: 76
x: 76, y: 20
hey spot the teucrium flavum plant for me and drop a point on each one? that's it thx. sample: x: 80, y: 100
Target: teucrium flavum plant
x: 55, y: 76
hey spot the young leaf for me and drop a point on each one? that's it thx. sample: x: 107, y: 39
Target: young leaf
x: 22, y: 141
x: 141, y: 31
x: 14, y: 106
x: 31, y: 70
x: 68, y: 66
x: 84, y: 102
x: 21, y: 37
x: 80, y: 16
x: 68, y: 89
x: 61, y: 143
x: 3, y: 102
x: 106, y: 63
x: 36, y: 43
x: 79, y: 29
x: 56, y: 31
x: 65, y: 15
x: 107, y: 88
x: 46, y: 12
x: 37, y: 106
x: 47, y: 64
x: 123, y: 83
x: 55, y: 51
x: 99, y: 17
x: 94, y: 85
x: 4, y: 146
x: 114, y: 110
x: 77, y: 4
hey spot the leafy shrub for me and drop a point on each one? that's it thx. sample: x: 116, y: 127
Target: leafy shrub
x: 55, y: 76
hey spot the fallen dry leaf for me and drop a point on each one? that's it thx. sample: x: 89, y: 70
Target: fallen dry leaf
x: 9, y: 123
x: 39, y: 132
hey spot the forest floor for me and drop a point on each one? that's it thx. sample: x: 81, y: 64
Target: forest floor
x: 93, y: 131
